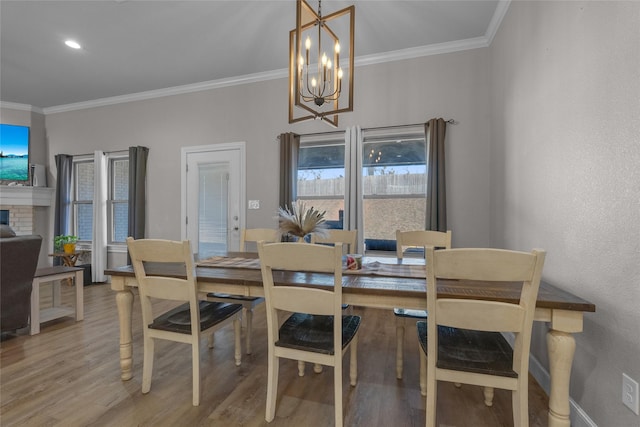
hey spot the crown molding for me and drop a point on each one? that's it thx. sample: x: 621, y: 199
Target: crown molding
x: 21, y: 107
x: 398, y: 55
x: 175, y: 90
x: 496, y: 20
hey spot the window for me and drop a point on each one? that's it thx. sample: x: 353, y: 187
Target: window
x: 393, y: 171
x: 394, y: 185
x: 83, y: 200
x: 118, y: 201
x: 321, y: 176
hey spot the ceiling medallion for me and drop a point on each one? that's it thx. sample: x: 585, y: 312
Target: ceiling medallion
x: 321, y: 81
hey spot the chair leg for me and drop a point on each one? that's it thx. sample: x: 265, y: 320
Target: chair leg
x: 272, y: 386
x: 520, y: 403
x: 317, y: 368
x: 353, y: 361
x: 249, y: 316
x: 237, y: 332
x: 432, y: 387
x: 195, y: 362
x: 210, y: 340
x: 147, y: 364
x: 399, y: 346
x: 337, y: 387
x: 488, y: 396
x: 300, y: 368
x: 423, y: 372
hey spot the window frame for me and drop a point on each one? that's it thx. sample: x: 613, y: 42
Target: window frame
x: 76, y: 202
x: 111, y: 200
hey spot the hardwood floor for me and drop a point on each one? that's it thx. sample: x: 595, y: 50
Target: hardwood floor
x: 69, y: 375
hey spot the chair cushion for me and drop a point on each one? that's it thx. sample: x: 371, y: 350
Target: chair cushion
x: 236, y: 297
x: 315, y: 333
x: 471, y: 351
x: 179, y: 318
x: 415, y: 314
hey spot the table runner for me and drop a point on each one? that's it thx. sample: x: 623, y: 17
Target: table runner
x: 368, y: 268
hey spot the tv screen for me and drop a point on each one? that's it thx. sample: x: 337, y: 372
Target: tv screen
x: 14, y: 153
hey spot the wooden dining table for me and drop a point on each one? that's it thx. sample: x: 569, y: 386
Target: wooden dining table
x: 383, y: 287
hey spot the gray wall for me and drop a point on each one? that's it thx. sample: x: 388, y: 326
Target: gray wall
x: 406, y: 92
x: 565, y: 175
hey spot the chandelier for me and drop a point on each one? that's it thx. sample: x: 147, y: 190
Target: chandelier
x: 320, y: 80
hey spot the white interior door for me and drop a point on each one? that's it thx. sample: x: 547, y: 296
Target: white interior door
x: 214, y: 196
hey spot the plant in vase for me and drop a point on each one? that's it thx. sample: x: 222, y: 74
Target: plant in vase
x: 65, y: 243
x: 300, y: 221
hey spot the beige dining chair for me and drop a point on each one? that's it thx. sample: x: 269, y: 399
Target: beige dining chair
x: 247, y: 235
x: 347, y: 237
x: 317, y: 331
x: 468, y: 346
x: 187, y: 322
x: 418, y: 239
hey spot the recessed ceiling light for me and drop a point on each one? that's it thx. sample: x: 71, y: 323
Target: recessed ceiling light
x: 72, y: 44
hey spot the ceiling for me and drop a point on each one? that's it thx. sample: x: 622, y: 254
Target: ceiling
x: 151, y: 47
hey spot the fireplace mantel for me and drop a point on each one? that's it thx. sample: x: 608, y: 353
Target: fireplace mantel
x: 26, y: 196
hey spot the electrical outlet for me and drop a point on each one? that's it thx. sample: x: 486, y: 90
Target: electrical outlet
x: 254, y: 204
x: 630, y: 393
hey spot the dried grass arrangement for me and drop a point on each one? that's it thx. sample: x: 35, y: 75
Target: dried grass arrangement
x: 300, y: 221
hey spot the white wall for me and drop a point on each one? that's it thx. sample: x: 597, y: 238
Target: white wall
x: 406, y: 92
x: 565, y: 175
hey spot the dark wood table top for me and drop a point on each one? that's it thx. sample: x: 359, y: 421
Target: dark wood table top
x: 549, y: 296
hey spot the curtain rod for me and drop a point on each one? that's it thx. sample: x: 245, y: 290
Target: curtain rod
x: 126, y: 150
x: 449, y: 121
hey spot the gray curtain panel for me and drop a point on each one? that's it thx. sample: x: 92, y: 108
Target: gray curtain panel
x: 137, y: 191
x: 436, y: 213
x: 289, y: 147
x: 62, y: 215
x: 289, y: 150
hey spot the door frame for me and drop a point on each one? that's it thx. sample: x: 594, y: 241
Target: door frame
x: 212, y: 149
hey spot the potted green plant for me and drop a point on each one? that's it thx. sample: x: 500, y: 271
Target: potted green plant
x: 66, y: 243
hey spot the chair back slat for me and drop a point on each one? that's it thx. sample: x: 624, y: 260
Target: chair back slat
x: 301, y: 257
x: 166, y: 288
x: 482, y: 264
x: 421, y: 239
x: 312, y: 301
x: 347, y: 237
x: 254, y: 235
x: 492, y: 316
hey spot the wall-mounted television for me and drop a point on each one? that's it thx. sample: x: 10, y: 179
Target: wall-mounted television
x: 14, y: 154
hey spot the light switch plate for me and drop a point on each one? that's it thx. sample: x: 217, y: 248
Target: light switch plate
x: 630, y: 393
x: 254, y: 204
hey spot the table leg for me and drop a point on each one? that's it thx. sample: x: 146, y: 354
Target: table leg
x: 124, y: 300
x: 79, y: 282
x: 561, y: 348
x: 55, y: 292
x: 35, y: 307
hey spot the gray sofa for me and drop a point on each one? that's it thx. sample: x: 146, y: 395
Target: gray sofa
x: 18, y: 263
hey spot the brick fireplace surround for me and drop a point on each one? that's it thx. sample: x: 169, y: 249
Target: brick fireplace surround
x: 24, y: 204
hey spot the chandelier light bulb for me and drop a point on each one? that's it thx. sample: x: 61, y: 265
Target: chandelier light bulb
x: 307, y: 43
x: 340, y: 73
x: 337, y: 48
x: 324, y: 58
x: 329, y: 64
x: 313, y: 82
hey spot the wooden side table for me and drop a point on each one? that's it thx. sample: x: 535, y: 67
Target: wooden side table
x: 49, y: 274
x: 68, y: 259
